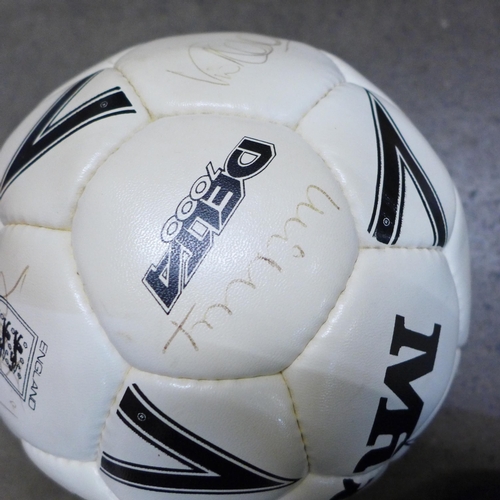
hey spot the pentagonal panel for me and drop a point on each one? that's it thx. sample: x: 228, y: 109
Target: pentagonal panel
x: 230, y: 73
x: 382, y: 362
x: 399, y: 191
x: 49, y: 158
x: 169, y: 438
x: 213, y: 247
x: 59, y: 372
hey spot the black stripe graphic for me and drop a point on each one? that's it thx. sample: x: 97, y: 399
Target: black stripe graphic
x: 395, y: 159
x: 51, y: 130
x: 208, y: 468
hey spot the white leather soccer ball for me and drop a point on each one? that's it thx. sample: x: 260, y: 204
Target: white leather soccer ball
x: 230, y: 266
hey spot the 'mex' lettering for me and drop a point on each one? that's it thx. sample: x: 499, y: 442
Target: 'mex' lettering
x: 398, y: 377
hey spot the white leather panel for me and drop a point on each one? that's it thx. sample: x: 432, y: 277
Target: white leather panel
x: 182, y: 434
x: 338, y: 381
x: 49, y: 158
x: 458, y: 256
x: 342, y: 130
x: 59, y: 372
x: 265, y: 283
x: 230, y: 73
x: 81, y: 478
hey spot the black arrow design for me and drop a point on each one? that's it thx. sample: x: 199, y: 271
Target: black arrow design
x: 208, y: 468
x: 395, y: 160
x: 53, y: 129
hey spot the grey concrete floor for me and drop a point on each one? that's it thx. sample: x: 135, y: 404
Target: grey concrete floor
x: 438, y: 59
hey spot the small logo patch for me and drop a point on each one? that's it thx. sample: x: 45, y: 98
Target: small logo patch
x: 18, y: 343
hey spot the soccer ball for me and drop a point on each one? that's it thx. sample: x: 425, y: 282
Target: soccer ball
x: 230, y: 266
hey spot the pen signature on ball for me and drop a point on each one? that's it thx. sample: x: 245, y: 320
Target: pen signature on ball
x: 217, y: 63
x: 247, y: 279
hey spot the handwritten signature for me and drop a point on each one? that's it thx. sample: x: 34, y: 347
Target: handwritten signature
x: 19, y: 283
x: 247, y: 280
x: 7, y: 334
x: 217, y: 63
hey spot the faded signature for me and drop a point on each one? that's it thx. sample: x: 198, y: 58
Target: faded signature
x: 8, y: 334
x: 247, y: 280
x: 180, y: 328
x: 19, y: 283
x: 217, y: 63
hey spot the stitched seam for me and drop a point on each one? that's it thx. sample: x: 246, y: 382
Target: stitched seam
x: 334, y: 308
x: 301, y: 431
x: 391, y: 248
x: 327, y: 320
x: 324, y: 96
x: 461, y: 300
x: 111, y: 405
x: 331, y: 166
x: 37, y: 226
x: 151, y: 117
x: 115, y: 149
x: 109, y: 346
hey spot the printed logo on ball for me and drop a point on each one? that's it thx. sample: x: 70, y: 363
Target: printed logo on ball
x: 203, y: 213
x: 21, y: 354
x: 204, y: 468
